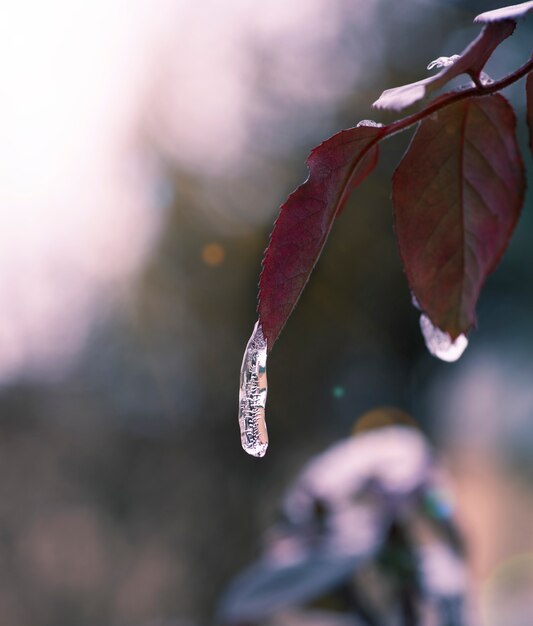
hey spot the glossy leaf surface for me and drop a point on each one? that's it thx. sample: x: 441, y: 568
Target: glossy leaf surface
x: 471, y: 61
x: 305, y: 220
x: 457, y: 195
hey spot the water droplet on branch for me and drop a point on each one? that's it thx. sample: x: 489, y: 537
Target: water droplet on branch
x: 485, y: 79
x: 439, y: 343
x: 253, y: 395
x: 369, y: 123
x: 444, y: 61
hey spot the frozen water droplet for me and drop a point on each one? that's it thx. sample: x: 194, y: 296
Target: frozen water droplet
x: 253, y: 394
x: 443, y: 61
x: 439, y: 343
x: 369, y: 123
x: 485, y: 79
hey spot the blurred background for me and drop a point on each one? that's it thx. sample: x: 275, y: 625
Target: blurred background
x: 145, y: 148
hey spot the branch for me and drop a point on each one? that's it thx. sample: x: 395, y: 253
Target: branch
x: 455, y: 96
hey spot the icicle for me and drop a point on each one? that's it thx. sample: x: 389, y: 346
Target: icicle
x: 253, y: 394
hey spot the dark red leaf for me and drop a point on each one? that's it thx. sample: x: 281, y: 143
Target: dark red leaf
x: 457, y: 196
x: 305, y: 220
x: 529, y: 98
x: 512, y: 12
x: 471, y: 62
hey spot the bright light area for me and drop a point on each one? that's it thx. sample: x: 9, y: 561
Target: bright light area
x: 90, y: 92
x: 73, y: 192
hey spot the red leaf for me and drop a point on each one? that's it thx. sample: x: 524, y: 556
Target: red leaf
x: 305, y: 220
x: 457, y: 196
x: 471, y: 62
x: 529, y: 97
x: 511, y: 12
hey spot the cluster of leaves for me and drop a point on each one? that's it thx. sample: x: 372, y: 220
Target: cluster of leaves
x: 374, y: 539
x: 457, y: 193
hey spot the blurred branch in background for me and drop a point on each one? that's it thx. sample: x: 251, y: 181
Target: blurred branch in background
x: 367, y: 530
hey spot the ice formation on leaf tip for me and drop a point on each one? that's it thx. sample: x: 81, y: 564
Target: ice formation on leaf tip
x: 439, y: 343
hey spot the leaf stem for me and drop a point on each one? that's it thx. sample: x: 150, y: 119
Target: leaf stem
x: 445, y: 100
x: 455, y: 96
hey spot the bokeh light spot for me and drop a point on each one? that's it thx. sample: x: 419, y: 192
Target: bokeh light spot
x: 383, y: 416
x: 338, y: 392
x: 507, y: 596
x: 213, y: 254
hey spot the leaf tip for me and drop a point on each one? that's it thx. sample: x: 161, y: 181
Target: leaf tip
x: 511, y: 13
x: 399, y: 98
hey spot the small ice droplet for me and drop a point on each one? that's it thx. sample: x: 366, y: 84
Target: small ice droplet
x: 253, y: 394
x: 443, y: 61
x: 439, y: 343
x: 485, y: 79
x: 369, y: 123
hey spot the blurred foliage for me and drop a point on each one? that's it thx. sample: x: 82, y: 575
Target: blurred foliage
x: 366, y: 529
